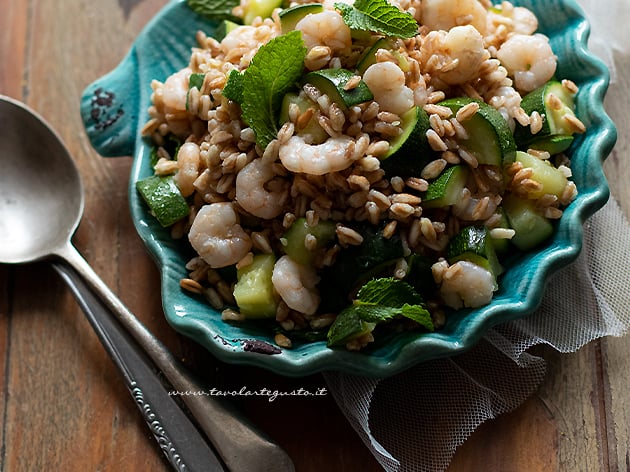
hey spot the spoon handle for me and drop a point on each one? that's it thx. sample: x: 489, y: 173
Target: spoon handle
x: 180, y: 441
x: 239, y: 443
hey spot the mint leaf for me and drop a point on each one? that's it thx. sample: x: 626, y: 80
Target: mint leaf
x: 195, y: 80
x: 347, y: 326
x: 419, y: 314
x: 378, y: 16
x: 233, y: 88
x: 272, y: 72
x: 389, y: 292
x: 374, y: 313
x: 215, y: 9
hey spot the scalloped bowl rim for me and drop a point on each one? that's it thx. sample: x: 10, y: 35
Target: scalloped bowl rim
x: 393, y: 354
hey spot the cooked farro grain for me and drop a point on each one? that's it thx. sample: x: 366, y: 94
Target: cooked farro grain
x: 387, y: 130
x: 370, y: 164
x: 390, y: 229
x: 439, y: 110
x: 150, y: 127
x: 348, y: 236
x: 165, y: 167
x: 433, y: 169
x: 467, y: 112
x: 427, y: 229
x: 373, y: 212
x: 522, y: 173
x: 360, y: 342
x: 574, y: 122
x: 437, y: 124
x: 377, y: 148
x: 470, y: 159
x: 547, y: 200
x: 229, y: 314
x: 358, y: 182
x: 522, y: 117
x: 569, y: 86
x: 327, y: 125
x: 191, y: 285
x: 417, y: 183
x: 554, y: 102
x: 569, y: 193
x: 436, y: 96
x: 449, y: 128
x: 379, y: 198
x: 322, y: 321
x: 565, y: 170
x: 544, y: 155
x: 370, y: 112
x: 459, y: 131
x: 245, y: 260
x: 398, y: 184
x: 552, y: 213
x: 352, y: 83
x: 407, y: 198
x: 400, y: 271
x: 402, y: 211
x: 535, y: 122
x: 282, y: 341
x: 318, y: 57
x: 451, y: 157
x: 435, y: 141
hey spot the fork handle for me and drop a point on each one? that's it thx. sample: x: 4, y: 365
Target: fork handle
x: 183, y: 445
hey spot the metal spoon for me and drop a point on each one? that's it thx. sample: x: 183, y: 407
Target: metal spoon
x: 41, y: 203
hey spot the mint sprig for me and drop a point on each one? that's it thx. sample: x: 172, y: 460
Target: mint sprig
x: 386, y: 298
x: 378, y: 16
x: 378, y: 301
x: 273, y: 71
x: 215, y: 9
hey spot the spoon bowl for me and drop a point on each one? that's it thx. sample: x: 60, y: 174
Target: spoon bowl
x: 41, y: 204
x: 41, y: 200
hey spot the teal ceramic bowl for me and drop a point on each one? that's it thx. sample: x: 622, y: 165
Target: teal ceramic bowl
x: 114, y: 109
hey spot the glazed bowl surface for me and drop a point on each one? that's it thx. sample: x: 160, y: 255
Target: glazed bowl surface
x: 114, y: 109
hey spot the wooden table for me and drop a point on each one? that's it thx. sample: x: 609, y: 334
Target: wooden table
x: 61, y: 404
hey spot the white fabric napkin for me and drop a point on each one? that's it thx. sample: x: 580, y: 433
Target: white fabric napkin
x: 416, y: 420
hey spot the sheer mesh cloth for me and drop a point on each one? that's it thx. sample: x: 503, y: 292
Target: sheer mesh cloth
x: 452, y: 397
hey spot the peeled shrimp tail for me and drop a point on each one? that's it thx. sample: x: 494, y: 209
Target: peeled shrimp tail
x: 296, y: 285
x: 217, y: 236
x: 333, y: 155
x: 252, y: 194
x: 529, y: 60
x: 464, y: 284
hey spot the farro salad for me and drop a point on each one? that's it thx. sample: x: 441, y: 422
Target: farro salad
x: 351, y: 168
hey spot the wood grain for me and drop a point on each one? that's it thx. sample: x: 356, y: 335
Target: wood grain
x: 61, y: 404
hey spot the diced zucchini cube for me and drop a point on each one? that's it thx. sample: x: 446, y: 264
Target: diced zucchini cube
x: 294, y: 240
x: 531, y: 228
x: 552, y: 180
x: 253, y: 292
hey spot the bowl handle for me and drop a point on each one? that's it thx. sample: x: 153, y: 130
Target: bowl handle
x: 109, y: 108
